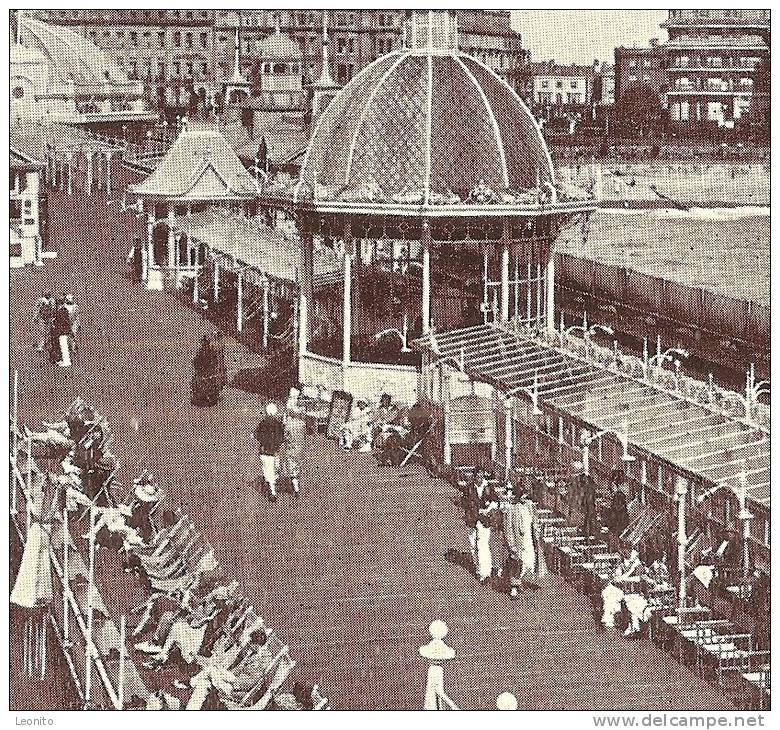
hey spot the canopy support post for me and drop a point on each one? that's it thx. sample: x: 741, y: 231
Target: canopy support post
x: 425, y: 240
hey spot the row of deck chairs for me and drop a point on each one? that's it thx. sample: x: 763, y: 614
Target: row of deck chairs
x: 246, y: 671
x: 719, y: 650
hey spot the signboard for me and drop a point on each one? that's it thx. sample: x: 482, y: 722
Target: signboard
x: 340, y: 406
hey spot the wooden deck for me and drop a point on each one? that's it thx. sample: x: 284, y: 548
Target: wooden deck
x: 350, y: 574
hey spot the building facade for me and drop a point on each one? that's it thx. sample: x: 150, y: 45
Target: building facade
x: 714, y: 59
x: 170, y: 51
x: 174, y: 52
x: 640, y: 66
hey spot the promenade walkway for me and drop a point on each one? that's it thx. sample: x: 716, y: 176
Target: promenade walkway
x: 350, y: 574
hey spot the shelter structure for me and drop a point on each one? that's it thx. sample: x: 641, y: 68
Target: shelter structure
x: 26, y: 211
x: 249, y: 271
x: 426, y: 172
x: 200, y: 170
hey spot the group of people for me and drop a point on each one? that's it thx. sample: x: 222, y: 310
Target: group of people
x: 210, y: 370
x: 511, y: 512
x: 57, y: 321
x: 281, y: 439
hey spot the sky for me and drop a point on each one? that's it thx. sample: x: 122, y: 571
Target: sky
x: 581, y: 36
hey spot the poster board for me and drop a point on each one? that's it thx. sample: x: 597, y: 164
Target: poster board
x: 340, y: 407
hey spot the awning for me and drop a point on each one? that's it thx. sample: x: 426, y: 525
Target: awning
x: 699, y: 441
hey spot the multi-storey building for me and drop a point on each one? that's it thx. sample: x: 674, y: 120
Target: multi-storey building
x: 170, y: 51
x: 555, y: 91
x: 714, y: 59
x: 640, y: 66
x: 174, y: 51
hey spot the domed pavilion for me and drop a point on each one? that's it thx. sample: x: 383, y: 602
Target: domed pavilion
x: 432, y: 179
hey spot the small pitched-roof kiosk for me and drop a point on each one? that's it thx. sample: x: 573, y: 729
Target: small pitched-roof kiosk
x: 199, y: 171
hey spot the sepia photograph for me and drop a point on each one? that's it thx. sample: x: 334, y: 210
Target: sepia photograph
x: 390, y: 359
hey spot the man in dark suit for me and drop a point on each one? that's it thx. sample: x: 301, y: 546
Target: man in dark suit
x: 270, y: 436
x: 618, y: 510
x: 479, y: 505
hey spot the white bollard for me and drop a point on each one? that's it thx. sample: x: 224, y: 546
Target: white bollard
x: 436, y: 651
x: 506, y: 701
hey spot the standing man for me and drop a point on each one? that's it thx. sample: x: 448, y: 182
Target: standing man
x: 523, y: 539
x: 479, y: 504
x: 61, y: 335
x: 44, y: 313
x: 270, y: 437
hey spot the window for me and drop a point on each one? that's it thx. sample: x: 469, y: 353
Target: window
x: 545, y: 84
x: 632, y: 63
x: 18, y: 92
x: 633, y: 77
x: 177, y: 39
x: 646, y: 63
x: 15, y: 209
x: 204, y: 69
x: 161, y: 37
x: 646, y: 77
x: 176, y: 68
x: 188, y: 40
x: 190, y: 69
x: 559, y: 84
x: 204, y: 40
x: 574, y: 84
x: 134, y: 38
x: 161, y: 70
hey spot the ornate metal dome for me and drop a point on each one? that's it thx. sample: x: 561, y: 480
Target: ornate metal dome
x: 425, y: 126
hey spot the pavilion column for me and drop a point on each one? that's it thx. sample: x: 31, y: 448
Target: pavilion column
x: 346, y: 356
x: 196, y: 272
x: 172, y: 258
x: 549, y: 279
x: 216, y: 279
x: 425, y: 241
x: 239, y: 299
x: 444, y: 376
x: 506, y: 239
x: 70, y: 174
x: 88, y: 181
x: 108, y: 173
x: 266, y: 309
x: 509, y: 434
x: 306, y: 293
x: 147, y: 254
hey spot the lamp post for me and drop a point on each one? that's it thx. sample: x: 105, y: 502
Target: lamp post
x: 622, y: 437
x: 744, y: 515
x: 587, y: 331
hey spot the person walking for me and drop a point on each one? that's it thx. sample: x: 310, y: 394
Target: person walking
x: 523, y: 539
x: 203, y: 386
x: 270, y: 437
x: 220, y: 366
x: 479, y: 504
x: 294, y: 438
x: 42, y: 319
x: 60, y: 335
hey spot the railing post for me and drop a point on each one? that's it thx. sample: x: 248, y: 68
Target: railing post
x: 437, y: 652
x: 681, y: 492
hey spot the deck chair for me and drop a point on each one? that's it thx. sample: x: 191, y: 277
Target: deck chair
x: 416, y: 446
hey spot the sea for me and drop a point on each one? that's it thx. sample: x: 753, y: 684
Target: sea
x: 723, y: 250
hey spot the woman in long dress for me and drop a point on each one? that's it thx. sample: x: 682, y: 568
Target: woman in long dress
x: 33, y: 586
x: 523, y: 539
x: 205, y: 379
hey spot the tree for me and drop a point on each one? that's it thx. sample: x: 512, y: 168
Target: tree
x: 638, y: 112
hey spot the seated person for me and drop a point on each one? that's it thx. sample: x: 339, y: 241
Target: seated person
x: 658, y: 572
x: 111, y: 528
x: 624, y: 589
x: 356, y: 433
x: 386, y: 413
x: 147, y: 496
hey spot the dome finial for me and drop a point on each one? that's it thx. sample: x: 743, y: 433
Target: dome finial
x: 433, y: 30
